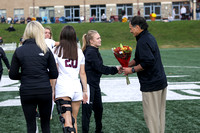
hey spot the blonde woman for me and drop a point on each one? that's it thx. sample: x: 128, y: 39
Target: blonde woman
x: 34, y: 65
x: 94, y: 68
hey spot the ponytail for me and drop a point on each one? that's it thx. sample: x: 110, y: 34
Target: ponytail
x: 87, y: 37
x: 84, y: 42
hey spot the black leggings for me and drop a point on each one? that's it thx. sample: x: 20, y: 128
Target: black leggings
x: 96, y: 106
x: 1, y: 72
x: 29, y: 105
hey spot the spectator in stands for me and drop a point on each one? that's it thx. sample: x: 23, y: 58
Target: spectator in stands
x: 22, y: 20
x: 39, y: 19
x: 33, y: 19
x: 183, y: 12
x: 45, y: 19
x: 198, y: 12
x: 81, y: 19
x: 16, y: 19
x: 138, y: 13
x: 5, y: 59
x: 103, y: 17
x: 93, y: 18
x: 3, y: 20
x: 173, y: 13
x: 28, y: 19
x: 9, y: 20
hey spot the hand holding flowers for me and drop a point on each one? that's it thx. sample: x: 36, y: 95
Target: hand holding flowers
x: 123, y: 55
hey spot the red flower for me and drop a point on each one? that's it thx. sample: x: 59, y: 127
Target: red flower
x: 123, y: 55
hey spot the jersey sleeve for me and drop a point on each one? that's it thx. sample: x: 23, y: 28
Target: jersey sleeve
x: 81, y: 56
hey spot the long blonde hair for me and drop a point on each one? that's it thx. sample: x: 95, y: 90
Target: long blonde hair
x: 87, y: 37
x: 34, y: 30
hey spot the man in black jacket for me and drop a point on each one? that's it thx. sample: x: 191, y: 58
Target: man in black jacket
x: 5, y: 59
x: 153, y: 82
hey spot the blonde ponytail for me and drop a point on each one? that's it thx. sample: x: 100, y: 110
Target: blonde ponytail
x: 87, y: 37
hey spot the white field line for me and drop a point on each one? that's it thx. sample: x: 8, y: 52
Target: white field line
x: 116, y: 90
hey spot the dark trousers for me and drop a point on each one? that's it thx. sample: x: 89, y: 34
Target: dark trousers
x: 96, y: 106
x: 1, y: 72
x: 29, y: 105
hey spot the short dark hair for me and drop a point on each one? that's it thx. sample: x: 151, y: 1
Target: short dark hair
x: 140, y: 21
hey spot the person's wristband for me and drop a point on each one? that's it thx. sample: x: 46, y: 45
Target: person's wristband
x: 133, y: 70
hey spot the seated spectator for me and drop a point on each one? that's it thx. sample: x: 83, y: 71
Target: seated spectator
x: 62, y: 19
x: 11, y: 28
x: 103, y: 18
x: 9, y: 20
x: 169, y: 19
x: 124, y: 17
x: 16, y: 19
x: 93, y: 18
x: 45, y: 19
x: 39, y: 19
x: 3, y: 20
x: 1, y: 40
x: 52, y: 19
x: 33, y: 19
x: 81, y: 19
x: 22, y: 20
x: 28, y: 19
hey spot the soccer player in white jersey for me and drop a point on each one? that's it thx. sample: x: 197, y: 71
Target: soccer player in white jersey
x: 71, y: 64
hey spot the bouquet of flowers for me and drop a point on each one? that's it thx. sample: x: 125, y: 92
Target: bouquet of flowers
x: 123, y: 55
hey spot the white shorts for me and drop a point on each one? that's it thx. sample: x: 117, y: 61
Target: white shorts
x: 75, y: 96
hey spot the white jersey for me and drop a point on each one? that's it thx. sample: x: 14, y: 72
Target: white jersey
x: 50, y: 43
x: 68, y: 81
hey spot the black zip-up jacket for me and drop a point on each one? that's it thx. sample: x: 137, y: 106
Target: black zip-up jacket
x: 4, y: 58
x: 94, y: 67
x: 147, y: 54
x: 33, y: 68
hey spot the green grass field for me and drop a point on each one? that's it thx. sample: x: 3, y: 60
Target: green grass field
x: 182, y: 116
x: 169, y: 35
x: 180, y: 48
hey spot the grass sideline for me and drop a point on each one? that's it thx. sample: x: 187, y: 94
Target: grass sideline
x: 169, y: 35
x: 182, y: 116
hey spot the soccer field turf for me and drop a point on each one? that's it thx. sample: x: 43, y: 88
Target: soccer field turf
x: 122, y: 103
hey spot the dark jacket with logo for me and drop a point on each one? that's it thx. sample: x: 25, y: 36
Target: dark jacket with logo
x: 4, y: 58
x: 33, y: 68
x: 94, y: 67
x: 147, y: 54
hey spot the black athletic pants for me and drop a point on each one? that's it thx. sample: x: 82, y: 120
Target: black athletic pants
x: 1, y: 72
x: 44, y: 104
x: 96, y: 106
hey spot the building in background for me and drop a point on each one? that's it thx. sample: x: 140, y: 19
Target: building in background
x: 72, y: 10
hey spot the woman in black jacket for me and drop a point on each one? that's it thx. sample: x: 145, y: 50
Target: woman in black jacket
x: 94, y: 68
x: 5, y: 59
x: 34, y: 65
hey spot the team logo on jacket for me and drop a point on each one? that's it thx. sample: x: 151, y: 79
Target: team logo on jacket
x: 41, y: 54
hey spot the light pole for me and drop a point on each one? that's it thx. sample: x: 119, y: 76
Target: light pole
x: 33, y: 8
x: 84, y: 11
x: 194, y: 9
